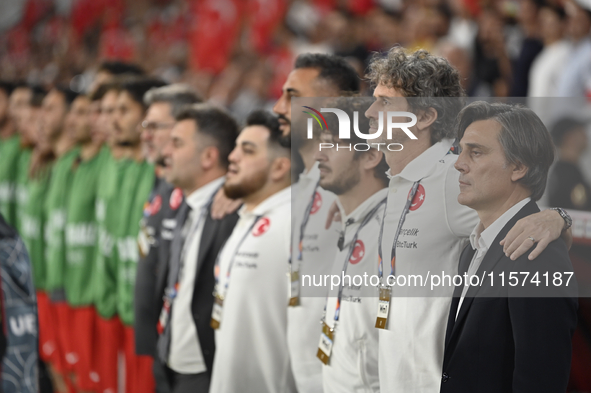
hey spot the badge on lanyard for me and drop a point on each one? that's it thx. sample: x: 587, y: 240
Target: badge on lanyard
x: 216, y: 313
x: 383, y: 308
x: 143, y: 239
x: 325, y: 345
x: 162, y: 320
x: 294, y: 299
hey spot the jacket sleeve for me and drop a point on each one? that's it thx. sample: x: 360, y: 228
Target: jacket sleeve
x: 543, y: 326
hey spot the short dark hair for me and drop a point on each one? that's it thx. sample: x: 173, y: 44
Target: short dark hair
x: 37, y: 97
x: 333, y: 69
x: 214, y: 122
x: 137, y: 88
x: 103, y: 88
x: 69, y: 94
x: 7, y: 87
x: 523, y: 136
x: 120, y: 68
x: 176, y: 95
x: 563, y: 127
x: 559, y: 11
x: 264, y: 118
x: 430, y: 81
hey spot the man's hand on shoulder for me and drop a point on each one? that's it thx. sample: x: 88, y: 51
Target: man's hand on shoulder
x: 541, y: 228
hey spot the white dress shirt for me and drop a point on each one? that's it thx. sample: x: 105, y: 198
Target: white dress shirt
x: 481, y: 239
x: 185, y: 355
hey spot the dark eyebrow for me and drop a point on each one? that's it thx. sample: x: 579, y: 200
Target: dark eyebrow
x: 247, y: 143
x: 474, y: 146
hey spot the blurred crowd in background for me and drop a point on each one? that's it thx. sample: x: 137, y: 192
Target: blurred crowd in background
x: 238, y: 52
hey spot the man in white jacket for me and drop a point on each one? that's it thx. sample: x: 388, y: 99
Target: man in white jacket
x: 358, y: 178
x: 250, y: 313
x: 314, y: 75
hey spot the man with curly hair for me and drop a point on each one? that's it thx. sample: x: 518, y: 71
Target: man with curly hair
x: 427, y: 234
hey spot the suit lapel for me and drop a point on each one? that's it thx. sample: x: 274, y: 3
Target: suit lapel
x: 465, y: 259
x: 492, y: 257
x: 207, y: 238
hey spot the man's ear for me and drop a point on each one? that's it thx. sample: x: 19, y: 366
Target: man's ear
x: 280, y: 168
x: 519, y: 171
x: 210, y: 157
x: 426, y: 118
x: 371, y: 159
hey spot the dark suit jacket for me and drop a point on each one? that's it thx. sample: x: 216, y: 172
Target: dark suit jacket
x: 503, y: 343
x: 214, y: 236
x: 151, y: 272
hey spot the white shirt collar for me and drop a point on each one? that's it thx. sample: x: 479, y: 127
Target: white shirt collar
x: 358, y: 215
x: 201, y: 196
x: 362, y: 210
x: 481, y: 239
x: 313, y: 174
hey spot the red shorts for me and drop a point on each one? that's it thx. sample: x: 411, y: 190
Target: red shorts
x: 83, y: 321
x: 49, y: 327
x: 139, y: 376
x: 108, y: 343
x: 64, y: 334
x: 47, y: 343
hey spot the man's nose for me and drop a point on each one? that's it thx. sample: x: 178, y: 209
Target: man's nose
x: 461, y: 165
x: 280, y: 106
x: 370, y: 113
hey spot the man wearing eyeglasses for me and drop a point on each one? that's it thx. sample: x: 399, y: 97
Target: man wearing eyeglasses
x: 158, y: 222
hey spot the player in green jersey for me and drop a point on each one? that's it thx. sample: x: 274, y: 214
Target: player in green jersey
x: 55, y: 107
x: 138, y: 182
x: 81, y: 240
x: 124, y: 185
x: 13, y: 99
x: 28, y: 138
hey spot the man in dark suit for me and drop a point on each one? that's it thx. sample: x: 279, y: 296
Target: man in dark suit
x: 503, y: 337
x: 197, y: 160
x: 160, y: 209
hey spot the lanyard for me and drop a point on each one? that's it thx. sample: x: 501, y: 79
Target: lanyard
x: 307, y: 214
x: 411, y: 195
x: 365, y: 221
x: 217, y: 262
x: 405, y: 211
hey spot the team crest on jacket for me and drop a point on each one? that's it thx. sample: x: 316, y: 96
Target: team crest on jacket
x: 261, y: 226
x: 317, y: 204
x: 176, y: 198
x: 358, y: 253
x: 154, y: 207
x: 419, y: 198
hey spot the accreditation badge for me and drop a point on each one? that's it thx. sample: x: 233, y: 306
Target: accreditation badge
x: 143, y: 240
x: 216, y: 313
x: 383, y: 308
x: 294, y: 295
x: 163, y: 318
x: 325, y: 345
